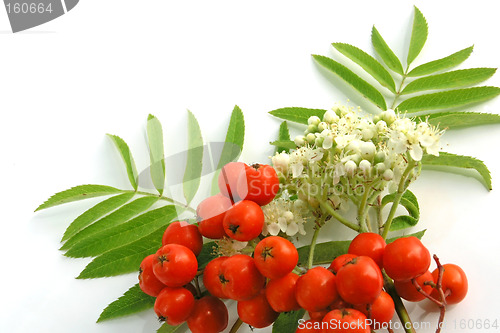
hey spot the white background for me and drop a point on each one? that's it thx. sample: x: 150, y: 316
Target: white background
x: 104, y: 66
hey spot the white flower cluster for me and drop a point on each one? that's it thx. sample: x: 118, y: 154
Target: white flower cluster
x: 286, y: 216
x: 344, y: 152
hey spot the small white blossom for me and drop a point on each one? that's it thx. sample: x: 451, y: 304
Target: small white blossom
x: 285, y: 216
x: 280, y: 162
x: 313, y: 120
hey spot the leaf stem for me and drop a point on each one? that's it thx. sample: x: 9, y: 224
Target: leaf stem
x: 330, y: 210
x: 398, y: 93
x: 161, y: 197
x: 398, y: 304
x: 397, y: 198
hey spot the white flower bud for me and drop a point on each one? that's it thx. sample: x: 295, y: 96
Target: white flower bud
x: 367, y: 150
x: 313, y: 120
x: 310, y: 138
x: 381, y: 126
x: 379, y: 157
x: 389, y: 116
x: 367, y: 133
x: 380, y: 168
x: 330, y: 117
x: 350, y: 167
x: 312, y: 129
x: 388, y: 175
x: 299, y: 140
x: 365, y: 166
x: 322, y: 126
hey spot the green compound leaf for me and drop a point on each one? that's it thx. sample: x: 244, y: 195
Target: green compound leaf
x: 78, y: 193
x: 96, y: 212
x: 458, y: 164
x: 324, y: 253
x: 385, y: 52
x: 166, y: 328
x: 363, y: 87
x: 284, y: 145
x: 233, y: 145
x: 452, y: 120
x: 442, y: 64
x: 419, y: 34
x: 126, y: 155
x: 194, y: 163
x: 133, y: 300
x: 448, y: 99
x: 288, y: 321
x: 297, y: 114
x: 368, y: 63
x: 454, y: 79
x: 117, y: 217
x: 410, y: 203
x: 283, y: 136
x: 123, y: 234
x: 125, y: 259
x: 156, y: 153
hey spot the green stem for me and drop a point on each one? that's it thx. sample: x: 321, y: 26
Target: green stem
x: 329, y: 209
x: 397, y: 198
x: 236, y: 326
x: 398, y: 304
x: 362, y: 211
x: 310, y: 259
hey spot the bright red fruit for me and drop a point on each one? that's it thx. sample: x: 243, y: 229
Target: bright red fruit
x: 280, y: 293
x: 406, y: 258
x: 257, y: 312
x: 275, y: 257
x: 316, y: 289
x: 241, y: 280
x: 368, y: 244
x: 380, y: 311
x: 340, y: 261
x: 147, y: 280
x: 212, y: 277
x: 211, y: 213
x: 174, y: 305
x: 183, y: 233
x: 209, y: 315
x: 175, y: 265
x: 229, y: 177
x: 454, y: 283
x: 359, y: 281
x: 259, y: 183
x: 407, y: 290
x: 244, y: 221
x: 346, y: 321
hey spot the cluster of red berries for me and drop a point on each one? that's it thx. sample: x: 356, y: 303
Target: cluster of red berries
x: 351, y: 288
x: 236, y: 213
x: 349, y: 293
